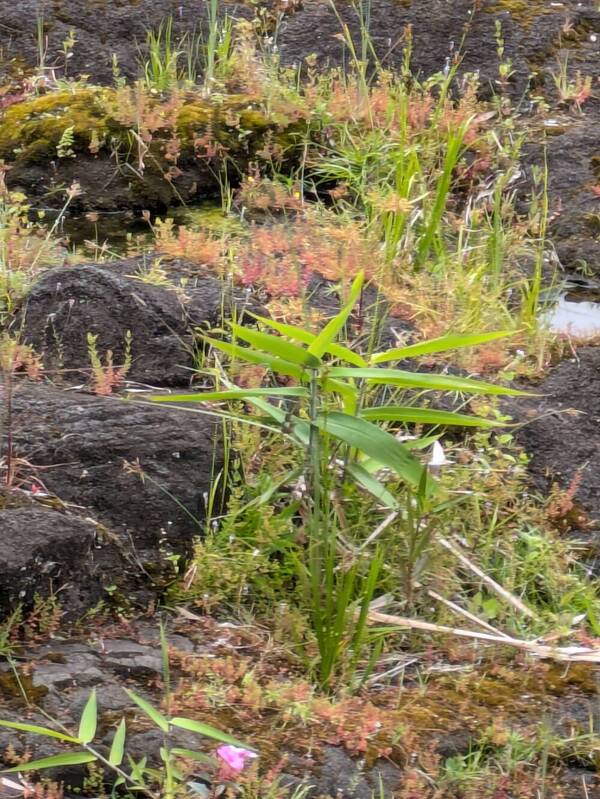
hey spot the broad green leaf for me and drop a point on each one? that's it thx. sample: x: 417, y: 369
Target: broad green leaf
x: 441, y: 344
x: 397, y: 413
x: 277, y: 347
x: 374, y: 442
x: 254, y: 356
x: 35, y: 730
x: 67, y: 759
x: 152, y: 713
x: 373, y: 486
x: 89, y: 720
x: 347, y: 391
x: 291, y: 331
x: 371, y: 465
x: 233, y: 394
x: 431, y: 382
x: 333, y: 327
x: 208, y: 732
x: 297, y: 333
x: 117, y: 748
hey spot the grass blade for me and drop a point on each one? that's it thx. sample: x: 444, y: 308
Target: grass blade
x: 441, y: 344
x: 299, y: 334
x: 333, y: 327
x: 254, y: 356
x: 208, y: 732
x: 374, y: 442
x: 89, y: 720
x: 117, y: 749
x: 277, y: 347
x: 431, y: 382
x: 152, y: 713
x: 233, y: 394
x: 35, y: 730
x: 398, y: 413
x: 66, y: 759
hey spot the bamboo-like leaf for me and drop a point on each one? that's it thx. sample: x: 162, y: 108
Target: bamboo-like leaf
x: 254, y: 356
x: 208, y: 732
x: 441, y: 344
x: 233, y: 394
x: 117, y: 748
x: 199, y: 757
x: 66, y: 759
x: 291, y: 331
x: 371, y: 465
x: 299, y: 334
x: 333, y: 327
x: 398, y: 413
x: 152, y: 713
x: 277, y: 347
x: 35, y: 730
x: 374, y: 442
x: 89, y: 720
x: 431, y: 382
x: 373, y: 486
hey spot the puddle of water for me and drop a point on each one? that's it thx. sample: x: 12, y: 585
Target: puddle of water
x: 577, y: 314
x: 120, y: 232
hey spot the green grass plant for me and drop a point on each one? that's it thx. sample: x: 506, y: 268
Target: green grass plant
x: 338, y: 428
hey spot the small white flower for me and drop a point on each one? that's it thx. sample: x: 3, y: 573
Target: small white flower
x: 438, y: 456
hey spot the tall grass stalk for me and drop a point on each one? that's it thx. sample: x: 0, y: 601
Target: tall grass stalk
x: 433, y: 236
x: 530, y: 313
x: 218, y: 46
x: 161, y: 72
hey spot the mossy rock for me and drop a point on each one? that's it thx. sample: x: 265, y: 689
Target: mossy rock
x: 31, y: 131
x: 522, y: 11
x: 62, y: 137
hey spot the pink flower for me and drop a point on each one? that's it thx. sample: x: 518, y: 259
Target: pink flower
x: 235, y: 757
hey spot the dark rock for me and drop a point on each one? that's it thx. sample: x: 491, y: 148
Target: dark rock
x: 441, y: 32
x: 337, y: 774
x: 88, y: 440
x: 101, y: 27
x: 574, y: 205
x: 41, y: 551
x: 80, y: 670
x: 112, y: 302
x: 130, y: 659
x: 561, y: 429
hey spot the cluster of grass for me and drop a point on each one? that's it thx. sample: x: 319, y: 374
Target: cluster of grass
x: 357, y: 483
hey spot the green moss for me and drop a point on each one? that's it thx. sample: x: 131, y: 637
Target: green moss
x: 13, y: 688
x: 523, y: 11
x: 31, y: 131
